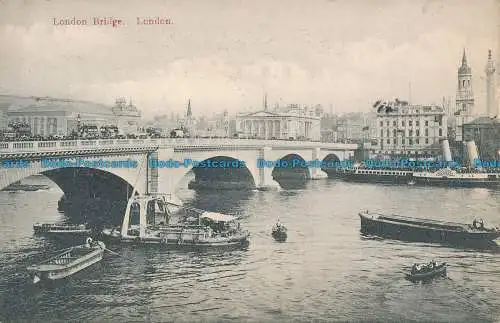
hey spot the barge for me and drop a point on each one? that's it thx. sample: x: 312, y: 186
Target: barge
x: 426, y: 230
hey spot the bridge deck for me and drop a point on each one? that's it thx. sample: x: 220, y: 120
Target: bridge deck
x: 22, y: 149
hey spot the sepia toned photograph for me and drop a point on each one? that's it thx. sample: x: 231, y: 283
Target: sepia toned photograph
x: 250, y: 161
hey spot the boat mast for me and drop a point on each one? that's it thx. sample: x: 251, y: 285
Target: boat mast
x: 126, y: 218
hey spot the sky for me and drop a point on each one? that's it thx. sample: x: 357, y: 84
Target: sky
x: 225, y: 54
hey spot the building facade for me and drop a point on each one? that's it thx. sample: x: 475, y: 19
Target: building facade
x: 126, y: 116
x: 50, y: 116
x: 485, y: 131
x: 291, y: 123
x: 403, y: 129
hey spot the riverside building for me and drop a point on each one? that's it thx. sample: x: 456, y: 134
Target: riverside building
x: 293, y: 122
x: 409, y: 130
x: 51, y: 116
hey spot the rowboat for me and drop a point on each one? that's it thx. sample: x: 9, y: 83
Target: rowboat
x: 425, y: 272
x: 61, y: 229
x: 69, y: 262
x: 279, y: 232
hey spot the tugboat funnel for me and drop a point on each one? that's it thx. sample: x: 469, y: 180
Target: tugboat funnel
x: 446, y: 150
x: 472, y: 154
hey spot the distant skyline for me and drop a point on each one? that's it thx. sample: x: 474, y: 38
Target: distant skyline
x: 226, y: 54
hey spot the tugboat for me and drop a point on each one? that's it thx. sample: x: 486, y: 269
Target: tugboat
x: 279, y: 232
x: 425, y: 272
x: 68, y: 262
x: 426, y: 230
x: 148, y: 220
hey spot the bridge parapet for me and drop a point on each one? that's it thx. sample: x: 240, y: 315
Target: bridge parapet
x: 176, y: 143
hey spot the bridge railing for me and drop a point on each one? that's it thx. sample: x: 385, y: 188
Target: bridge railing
x: 45, y: 146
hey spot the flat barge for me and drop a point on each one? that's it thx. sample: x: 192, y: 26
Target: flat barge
x: 425, y: 230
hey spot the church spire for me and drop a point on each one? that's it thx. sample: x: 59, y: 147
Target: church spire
x: 464, y: 68
x: 265, y: 101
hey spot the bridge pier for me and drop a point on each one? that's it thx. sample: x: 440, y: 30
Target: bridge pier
x: 316, y: 172
x: 264, y: 179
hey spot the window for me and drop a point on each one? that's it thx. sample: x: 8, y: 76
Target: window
x: 394, y: 133
x: 426, y: 123
x: 387, y: 123
x: 403, y: 123
x: 426, y: 132
x: 394, y: 141
x: 426, y: 140
x: 410, y: 133
x: 417, y: 141
x: 394, y: 123
x: 387, y: 132
x: 381, y: 123
x: 417, y: 123
x: 440, y: 132
x: 410, y: 123
x: 388, y: 141
x: 418, y: 132
x: 411, y: 141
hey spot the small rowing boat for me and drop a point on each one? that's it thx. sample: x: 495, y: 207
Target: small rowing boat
x: 423, y: 272
x: 67, y: 229
x: 279, y: 232
x: 69, y: 262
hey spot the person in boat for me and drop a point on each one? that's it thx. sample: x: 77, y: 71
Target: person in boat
x: 481, y: 224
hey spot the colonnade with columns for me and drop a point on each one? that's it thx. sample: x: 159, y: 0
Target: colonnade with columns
x: 276, y: 128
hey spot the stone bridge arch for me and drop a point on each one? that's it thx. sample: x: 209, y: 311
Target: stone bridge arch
x: 170, y: 178
x: 81, y: 181
x: 291, y: 167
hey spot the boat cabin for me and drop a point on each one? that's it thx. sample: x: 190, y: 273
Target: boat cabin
x: 219, y: 222
x: 145, y: 211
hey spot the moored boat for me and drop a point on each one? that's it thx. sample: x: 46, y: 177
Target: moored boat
x: 18, y: 186
x: 426, y: 230
x: 368, y: 175
x: 61, y: 229
x: 279, y: 232
x: 451, y: 178
x: 69, y: 262
x: 148, y: 219
x: 424, y: 272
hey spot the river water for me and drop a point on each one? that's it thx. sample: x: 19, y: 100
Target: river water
x: 326, y: 271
